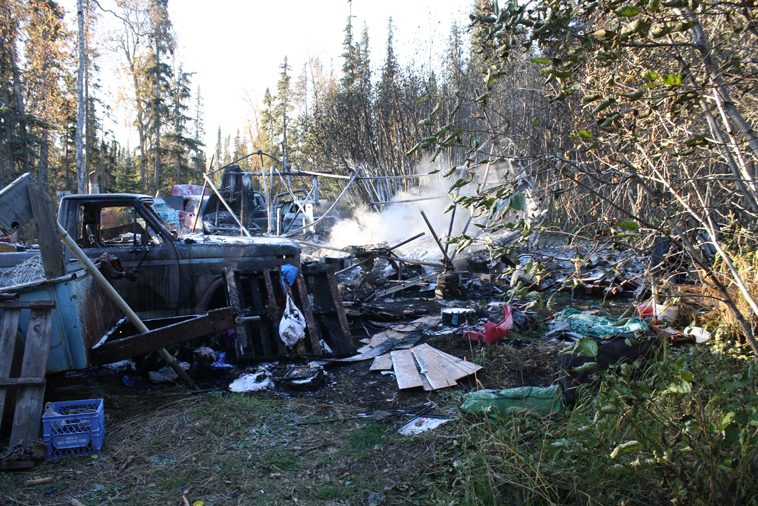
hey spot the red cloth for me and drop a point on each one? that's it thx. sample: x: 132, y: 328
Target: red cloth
x: 493, y: 332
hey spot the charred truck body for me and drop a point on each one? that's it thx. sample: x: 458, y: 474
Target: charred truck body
x: 165, y: 275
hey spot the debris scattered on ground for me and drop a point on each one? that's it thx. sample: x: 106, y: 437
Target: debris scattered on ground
x: 422, y: 424
x: 252, y: 382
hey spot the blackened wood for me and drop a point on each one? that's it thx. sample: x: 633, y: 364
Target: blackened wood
x: 268, y: 347
x: 274, y: 312
x: 305, y: 303
x: 214, y: 321
x: 241, y: 334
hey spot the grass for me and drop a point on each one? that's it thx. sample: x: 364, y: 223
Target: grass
x: 224, y: 449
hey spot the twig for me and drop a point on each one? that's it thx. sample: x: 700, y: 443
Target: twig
x: 126, y: 464
x: 39, y: 481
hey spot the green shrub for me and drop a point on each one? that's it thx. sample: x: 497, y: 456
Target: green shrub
x: 683, y: 430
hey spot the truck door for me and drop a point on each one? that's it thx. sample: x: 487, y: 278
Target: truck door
x: 152, y: 289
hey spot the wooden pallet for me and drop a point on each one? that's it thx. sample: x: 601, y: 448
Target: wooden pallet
x: 264, y: 295
x: 30, y: 384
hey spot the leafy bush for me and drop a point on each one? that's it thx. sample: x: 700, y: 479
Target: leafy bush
x: 683, y: 430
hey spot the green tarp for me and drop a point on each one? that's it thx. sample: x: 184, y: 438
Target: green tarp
x: 534, y: 400
x: 598, y: 326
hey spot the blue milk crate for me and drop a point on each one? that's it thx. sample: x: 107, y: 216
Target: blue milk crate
x: 73, y: 428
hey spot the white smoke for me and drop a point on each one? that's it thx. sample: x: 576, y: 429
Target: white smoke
x: 402, y: 219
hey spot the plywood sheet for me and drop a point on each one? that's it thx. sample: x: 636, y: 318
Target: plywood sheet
x: 405, y: 369
x: 432, y: 367
x: 382, y: 363
x: 379, y: 338
x: 454, y: 363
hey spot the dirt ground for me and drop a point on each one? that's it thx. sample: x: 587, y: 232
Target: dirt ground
x: 337, y: 444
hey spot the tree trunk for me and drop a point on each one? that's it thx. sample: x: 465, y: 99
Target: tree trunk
x: 157, y: 118
x: 81, y: 179
x: 43, y: 159
x: 20, y: 108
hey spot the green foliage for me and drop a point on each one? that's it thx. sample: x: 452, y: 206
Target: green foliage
x: 682, y: 430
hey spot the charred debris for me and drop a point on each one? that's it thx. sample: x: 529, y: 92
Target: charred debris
x: 414, y: 311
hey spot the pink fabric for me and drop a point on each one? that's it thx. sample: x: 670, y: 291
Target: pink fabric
x: 493, y: 332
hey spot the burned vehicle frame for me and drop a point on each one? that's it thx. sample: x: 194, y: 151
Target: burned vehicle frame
x: 165, y: 275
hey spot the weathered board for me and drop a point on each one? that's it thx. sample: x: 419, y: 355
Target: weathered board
x: 406, y: 372
x: 382, y: 363
x: 432, y: 367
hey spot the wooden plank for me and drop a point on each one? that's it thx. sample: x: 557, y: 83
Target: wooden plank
x: 50, y: 247
x: 455, y: 371
x: 431, y: 366
x: 27, y: 304
x: 267, y: 344
x: 8, y: 330
x: 345, y: 338
x: 314, y: 333
x: 405, y: 370
x: 11, y: 382
x: 428, y: 320
x: 425, y: 384
x: 242, y: 348
x: 468, y: 368
x: 408, y: 327
x: 27, y: 418
x: 382, y: 363
x: 379, y: 338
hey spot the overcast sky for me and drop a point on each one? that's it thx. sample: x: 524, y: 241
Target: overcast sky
x: 235, y: 48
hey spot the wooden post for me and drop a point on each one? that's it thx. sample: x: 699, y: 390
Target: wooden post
x: 49, y: 245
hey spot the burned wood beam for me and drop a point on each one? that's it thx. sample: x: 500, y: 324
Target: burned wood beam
x: 241, y: 334
x: 194, y: 327
x: 408, y: 284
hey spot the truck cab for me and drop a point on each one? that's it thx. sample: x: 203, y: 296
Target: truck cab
x: 165, y: 275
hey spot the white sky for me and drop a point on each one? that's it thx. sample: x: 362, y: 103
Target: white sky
x: 235, y: 47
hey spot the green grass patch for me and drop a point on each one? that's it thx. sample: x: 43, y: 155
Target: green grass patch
x: 365, y: 439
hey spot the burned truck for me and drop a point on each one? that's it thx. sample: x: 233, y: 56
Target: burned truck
x: 165, y: 275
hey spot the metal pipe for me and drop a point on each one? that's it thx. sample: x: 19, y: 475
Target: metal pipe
x: 98, y: 276
x: 200, y: 208
x: 220, y: 198
x: 409, y: 200
x: 436, y: 239
x: 352, y: 179
x: 407, y: 241
x: 294, y: 199
x: 353, y: 266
